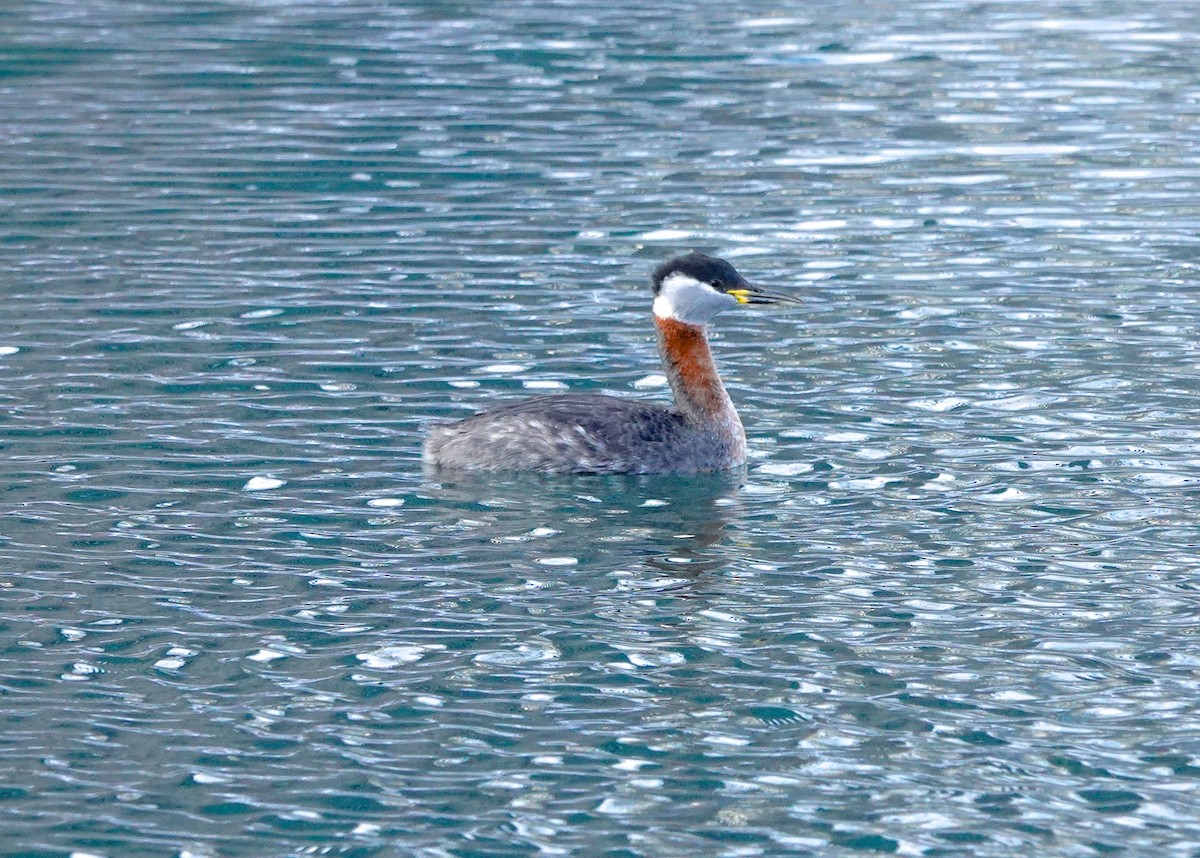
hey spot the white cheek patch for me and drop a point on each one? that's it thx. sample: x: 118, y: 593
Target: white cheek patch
x: 686, y: 299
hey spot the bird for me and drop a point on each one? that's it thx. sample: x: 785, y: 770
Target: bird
x: 581, y: 433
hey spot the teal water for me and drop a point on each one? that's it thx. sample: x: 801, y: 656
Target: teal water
x: 251, y: 250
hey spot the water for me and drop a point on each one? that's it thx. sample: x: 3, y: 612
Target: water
x: 252, y: 250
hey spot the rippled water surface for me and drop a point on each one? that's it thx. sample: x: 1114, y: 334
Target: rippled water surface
x: 252, y: 250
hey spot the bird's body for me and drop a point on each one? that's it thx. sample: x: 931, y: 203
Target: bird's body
x: 583, y: 433
x: 589, y: 433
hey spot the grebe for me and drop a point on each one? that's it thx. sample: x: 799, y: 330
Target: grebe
x: 594, y: 434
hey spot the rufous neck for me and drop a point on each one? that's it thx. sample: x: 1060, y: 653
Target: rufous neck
x: 699, y: 393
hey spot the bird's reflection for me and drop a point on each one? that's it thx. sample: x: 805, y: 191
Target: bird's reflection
x: 663, y: 524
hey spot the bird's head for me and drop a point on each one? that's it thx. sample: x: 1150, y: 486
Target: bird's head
x: 694, y: 288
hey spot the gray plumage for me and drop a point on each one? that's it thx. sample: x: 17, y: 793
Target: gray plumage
x: 580, y: 433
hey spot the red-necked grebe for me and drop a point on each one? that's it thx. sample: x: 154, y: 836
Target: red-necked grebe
x: 592, y: 434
